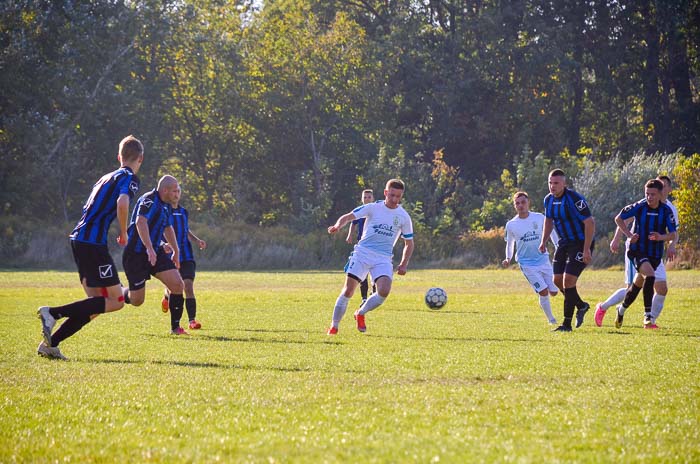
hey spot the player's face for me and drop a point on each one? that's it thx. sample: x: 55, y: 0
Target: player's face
x: 522, y: 204
x: 556, y: 185
x: 666, y: 191
x: 392, y: 197
x: 653, y: 197
x: 367, y: 197
x: 173, y: 195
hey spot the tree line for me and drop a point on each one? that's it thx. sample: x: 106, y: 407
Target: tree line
x: 277, y: 113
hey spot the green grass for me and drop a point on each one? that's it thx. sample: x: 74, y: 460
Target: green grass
x: 482, y: 380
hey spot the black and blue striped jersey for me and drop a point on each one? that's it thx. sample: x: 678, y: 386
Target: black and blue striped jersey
x: 100, y: 209
x: 568, y: 213
x: 647, y: 220
x: 182, y: 227
x: 157, y: 213
x: 360, y: 227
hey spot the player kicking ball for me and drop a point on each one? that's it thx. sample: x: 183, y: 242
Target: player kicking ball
x: 386, y: 221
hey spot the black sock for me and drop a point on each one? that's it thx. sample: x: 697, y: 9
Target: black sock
x: 82, y: 308
x: 68, y: 328
x: 631, y: 295
x: 578, y: 302
x: 176, y: 303
x: 191, y: 305
x: 648, y: 292
x: 364, y: 287
x: 125, y: 292
x: 569, y: 305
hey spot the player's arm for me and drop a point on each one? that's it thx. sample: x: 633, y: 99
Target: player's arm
x: 351, y: 232
x: 144, y: 234
x: 169, y: 234
x: 588, y: 234
x: 624, y: 229
x: 201, y: 243
x: 546, y: 232
x: 405, y: 256
x: 340, y: 223
x: 123, y: 218
x: 510, y: 249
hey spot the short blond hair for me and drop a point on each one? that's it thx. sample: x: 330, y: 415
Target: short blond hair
x: 130, y: 148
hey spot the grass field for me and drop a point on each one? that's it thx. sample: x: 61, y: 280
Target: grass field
x: 482, y: 380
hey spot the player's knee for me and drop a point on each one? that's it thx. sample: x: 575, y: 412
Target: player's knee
x: 544, y: 292
x: 137, y: 300
x: 661, y: 288
x: 115, y: 304
x: 177, y: 287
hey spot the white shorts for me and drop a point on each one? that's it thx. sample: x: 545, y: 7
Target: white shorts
x: 362, y: 263
x: 630, y: 272
x: 540, y: 277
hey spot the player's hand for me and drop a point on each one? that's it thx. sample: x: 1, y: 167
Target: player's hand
x: 167, y: 248
x: 505, y: 262
x: 152, y: 257
x: 614, y: 246
x: 176, y: 259
x: 634, y: 238
x: 542, y: 248
x: 401, y: 270
x: 122, y: 239
x: 202, y: 244
x: 587, y: 256
x: 671, y: 253
x: 348, y: 240
x: 655, y: 236
x: 333, y: 229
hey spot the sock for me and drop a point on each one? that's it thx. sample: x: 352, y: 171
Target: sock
x: 648, y: 293
x: 341, y: 305
x: 191, y: 305
x: 546, y: 306
x: 68, y: 328
x: 570, y: 295
x: 373, y: 302
x: 578, y: 302
x: 657, y: 304
x: 82, y: 308
x: 176, y: 308
x: 127, y: 300
x: 614, y: 299
x: 364, y: 287
x: 630, y: 296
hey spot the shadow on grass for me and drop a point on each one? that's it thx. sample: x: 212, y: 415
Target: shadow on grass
x: 243, y: 339
x: 462, y: 339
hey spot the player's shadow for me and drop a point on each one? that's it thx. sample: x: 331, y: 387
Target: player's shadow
x: 461, y: 339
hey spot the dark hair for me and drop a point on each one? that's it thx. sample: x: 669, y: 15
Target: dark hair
x: 557, y: 173
x: 130, y: 148
x: 654, y: 184
x: 519, y: 194
x: 395, y: 183
x: 368, y: 191
x: 665, y: 179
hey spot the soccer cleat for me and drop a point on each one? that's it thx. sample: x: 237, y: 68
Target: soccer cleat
x: 47, y: 323
x: 360, y: 322
x: 179, y: 331
x: 618, y: 319
x: 51, y: 352
x: 332, y: 331
x: 165, y: 304
x: 647, y: 321
x: 580, y: 313
x: 562, y: 328
x: 194, y: 325
x: 651, y: 326
x: 599, y: 315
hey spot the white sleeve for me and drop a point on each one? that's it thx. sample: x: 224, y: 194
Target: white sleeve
x: 510, y: 245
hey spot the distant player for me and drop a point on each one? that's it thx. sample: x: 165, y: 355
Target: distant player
x: 151, y: 220
x: 567, y: 212
x: 109, y: 199
x: 386, y: 222
x: 356, y: 228
x: 660, y: 283
x: 653, y: 225
x: 188, y: 266
x: 525, y: 230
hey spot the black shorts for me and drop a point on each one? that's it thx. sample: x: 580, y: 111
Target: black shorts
x: 568, y: 259
x: 138, y: 270
x: 187, y: 269
x: 638, y: 258
x: 95, y: 264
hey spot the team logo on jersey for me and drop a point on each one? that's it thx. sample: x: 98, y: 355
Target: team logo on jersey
x: 105, y: 271
x: 579, y: 256
x: 581, y: 205
x: 147, y: 202
x: 535, y: 226
x: 397, y: 221
x: 134, y: 187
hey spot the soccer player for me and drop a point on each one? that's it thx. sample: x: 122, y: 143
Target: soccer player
x: 151, y: 220
x: 188, y: 266
x: 525, y: 229
x: 109, y: 199
x: 358, y: 225
x: 386, y: 222
x: 660, y: 285
x: 567, y: 212
x: 653, y: 225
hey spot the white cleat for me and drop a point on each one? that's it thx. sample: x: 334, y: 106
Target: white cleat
x: 47, y: 323
x: 51, y: 352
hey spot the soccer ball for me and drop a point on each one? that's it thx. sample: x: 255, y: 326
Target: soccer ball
x: 436, y: 298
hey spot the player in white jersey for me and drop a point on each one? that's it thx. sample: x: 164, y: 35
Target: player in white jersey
x: 385, y: 222
x: 525, y: 230
x: 631, y: 276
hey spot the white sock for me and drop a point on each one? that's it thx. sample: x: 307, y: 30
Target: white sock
x: 614, y: 299
x: 547, y: 308
x: 373, y: 302
x: 341, y: 305
x: 657, y: 304
x: 621, y: 309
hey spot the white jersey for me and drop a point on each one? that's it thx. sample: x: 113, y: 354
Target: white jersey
x: 527, y: 233
x: 383, y: 227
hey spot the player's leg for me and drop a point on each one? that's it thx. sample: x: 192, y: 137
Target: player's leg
x: 661, y: 290
x: 138, y: 271
x: 572, y: 271
x: 618, y: 295
x: 188, y: 273
x: 341, y: 303
x: 540, y: 279
x: 644, y: 269
x: 364, y: 288
x: 173, y: 281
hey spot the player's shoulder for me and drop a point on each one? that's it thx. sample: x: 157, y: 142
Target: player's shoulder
x: 537, y: 215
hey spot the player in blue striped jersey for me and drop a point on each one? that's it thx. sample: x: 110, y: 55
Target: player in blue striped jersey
x: 150, y: 221
x: 568, y: 213
x: 109, y: 199
x: 654, y: 224
x: 356, y: 228
x: 188, y: 266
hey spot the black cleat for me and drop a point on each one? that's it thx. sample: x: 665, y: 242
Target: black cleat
x: 562, y: 328
x: 618, y: 318
x: 580, y: 313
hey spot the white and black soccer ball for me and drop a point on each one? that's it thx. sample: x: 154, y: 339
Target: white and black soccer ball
x: 435, y: 298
